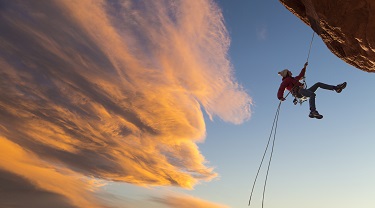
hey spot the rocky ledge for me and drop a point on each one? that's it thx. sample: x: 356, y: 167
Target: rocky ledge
x: 347, y: 27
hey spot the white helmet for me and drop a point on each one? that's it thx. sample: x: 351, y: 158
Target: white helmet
x: 285, y: 72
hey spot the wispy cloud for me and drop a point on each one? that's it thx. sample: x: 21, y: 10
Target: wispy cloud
x: 28, y: 181
x: 114, y: 89
x: 185, y: 201
x: 262, y: 32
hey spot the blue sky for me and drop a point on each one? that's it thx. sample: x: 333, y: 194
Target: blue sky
x: 316, y: 163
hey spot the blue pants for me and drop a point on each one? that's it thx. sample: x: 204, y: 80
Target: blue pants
x: 310, y: 92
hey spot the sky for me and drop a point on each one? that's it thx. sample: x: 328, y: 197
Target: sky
x: 170, y: 104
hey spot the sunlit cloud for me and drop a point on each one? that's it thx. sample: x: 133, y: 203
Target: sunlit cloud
x: 184, y: 201
x: 114, y: 90
x: 24, y: 177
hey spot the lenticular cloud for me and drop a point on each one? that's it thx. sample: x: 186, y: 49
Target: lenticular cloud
x: 115, y: 89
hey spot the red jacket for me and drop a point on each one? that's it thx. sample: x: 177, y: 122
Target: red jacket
x: 289, y: 82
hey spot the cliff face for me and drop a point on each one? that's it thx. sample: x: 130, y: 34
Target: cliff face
x: 347, y: 27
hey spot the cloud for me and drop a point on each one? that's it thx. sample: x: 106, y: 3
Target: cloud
x: 262, y: 32
x: 24, y: 177
x: 14, y: 188
x: 113, y: 90
x: 184, y: 201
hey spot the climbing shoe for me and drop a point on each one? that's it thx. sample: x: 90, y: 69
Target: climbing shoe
x: 340, y: 87
x: 315, y: 114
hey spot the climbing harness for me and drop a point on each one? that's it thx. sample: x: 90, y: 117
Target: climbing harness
x: 298, y: 99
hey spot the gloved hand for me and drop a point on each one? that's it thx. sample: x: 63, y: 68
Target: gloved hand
x: 282, y: 99
x: 307, y: 63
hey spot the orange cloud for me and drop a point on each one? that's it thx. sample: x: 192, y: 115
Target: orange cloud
x: 183, y: 201
x: 37, y: 182
x: 116, y: 90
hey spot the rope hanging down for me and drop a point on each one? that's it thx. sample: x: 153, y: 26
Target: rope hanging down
x: 275, y: 120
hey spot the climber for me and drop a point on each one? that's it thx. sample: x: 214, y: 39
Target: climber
x: 296, y: 88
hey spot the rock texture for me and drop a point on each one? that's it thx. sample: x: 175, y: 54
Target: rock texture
x: 346, y: 26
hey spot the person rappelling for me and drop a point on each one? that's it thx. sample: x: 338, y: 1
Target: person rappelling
x: 298, y: 91
x: 298, y: 88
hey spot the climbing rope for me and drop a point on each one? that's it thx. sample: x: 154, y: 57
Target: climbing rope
x: 303, y: 99
x: 308, y: 55
x: 275, y: 120
x: 312, y: 39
